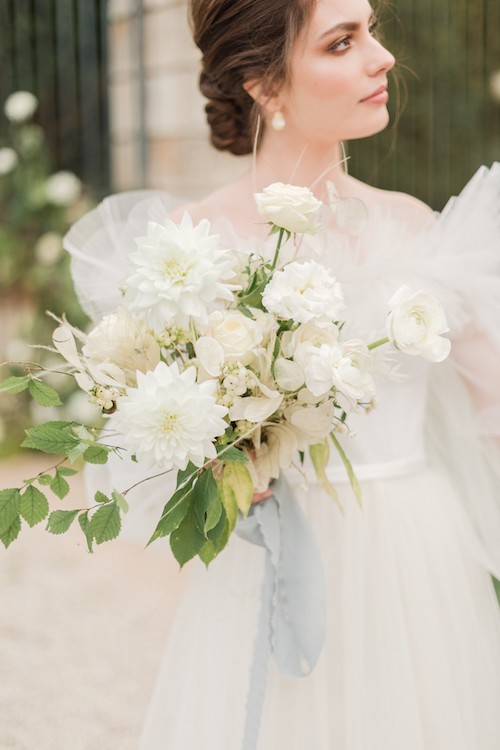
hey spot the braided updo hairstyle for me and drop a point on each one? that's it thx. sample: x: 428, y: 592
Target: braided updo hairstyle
x: 242, y: 41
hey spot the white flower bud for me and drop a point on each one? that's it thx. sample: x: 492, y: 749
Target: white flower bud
x: 20, y: 106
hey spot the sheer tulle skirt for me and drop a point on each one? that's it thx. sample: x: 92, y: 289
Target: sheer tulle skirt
x: 412, y: 655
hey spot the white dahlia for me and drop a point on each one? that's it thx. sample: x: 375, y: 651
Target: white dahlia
x: 304, y: 292
x: 169, y: 419
x: 180, y: 272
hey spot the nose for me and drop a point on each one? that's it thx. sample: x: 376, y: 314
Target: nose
x: 380, y: 60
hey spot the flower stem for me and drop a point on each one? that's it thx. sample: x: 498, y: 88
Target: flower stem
x: 380, y: 342
x: 278, y: 247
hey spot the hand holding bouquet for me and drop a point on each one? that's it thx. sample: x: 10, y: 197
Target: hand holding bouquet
x: 211, y: 359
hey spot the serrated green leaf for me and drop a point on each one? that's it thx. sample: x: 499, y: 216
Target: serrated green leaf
x: 59, y: 521
x: 43, y: 394
x: 44, y: 479
x: 75, y: 453
x: 120, y: 501
x: 189, y: 472
x: 34, y: 506
x: 15, y: 384
x: 231, y: 454
x: 83, y: 433
x: 51, y: 437
x: 10, y: 534
x: 187, y: 540
x: 105, y: 524
x: 9, y: 508
x: 100, y: 497
x: 83, y: 520
x: 174, y: 512
x: 96, y: 454
x: 237, y: 477
x: 65, y: 471
x: 59, y: 486
x: 207, y: 502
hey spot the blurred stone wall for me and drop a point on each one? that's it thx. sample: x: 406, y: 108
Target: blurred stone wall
x: 159, y: 138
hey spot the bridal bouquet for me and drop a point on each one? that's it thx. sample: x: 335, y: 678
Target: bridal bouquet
x: 222, y: 368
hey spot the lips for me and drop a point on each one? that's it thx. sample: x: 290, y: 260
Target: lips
x: 381, y: 92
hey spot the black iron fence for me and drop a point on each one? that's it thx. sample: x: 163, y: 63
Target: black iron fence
x: 57, y: 50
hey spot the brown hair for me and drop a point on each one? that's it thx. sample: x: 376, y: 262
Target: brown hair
x: 242, y: 41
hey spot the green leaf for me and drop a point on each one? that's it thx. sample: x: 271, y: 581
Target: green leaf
x: 105, y: 524
x: 83, y: 520
x: 237, y: 477
x: 34, y: 506
x: 218, y: 538
x: 231, y: 454
x: 100, y: 497
x: 9, y: 508
x: 120, y: 501
x: 348, y: 467
x: 60, y: 520
x: 207, y: 502
x: 65, y: 471
x: 43, y: 394
x: 51, y: 437
x: 12, y: 532
x: 15, y: 384
x: 59, y: 485
x: 187, y: 540
x: 75, y: 453
x: 44, y: 479
x: 190, y: 471
x: 230, y: 505
x: 174, y: 512
x: 83, y: 433
x: 96, y: 454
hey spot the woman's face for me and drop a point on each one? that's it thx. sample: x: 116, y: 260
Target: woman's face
x: 338, y: 75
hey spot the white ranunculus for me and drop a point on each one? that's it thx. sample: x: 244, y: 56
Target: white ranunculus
x: 121, y: 341
x: 180, y: 274
x: 170, y: 419
x: 303, y: 292
x: 346, y: 367
x: 20, y: 106
x: 48, y: 248
x: 314, y: 333
x: 8, y: 160
x: 288, y: 375
x: 238, y: 335
x: 416, y: 323
x: 290, y: 207
x: 63, y: 189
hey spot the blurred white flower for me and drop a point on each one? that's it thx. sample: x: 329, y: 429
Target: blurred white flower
x: 415, y: 323
x: 48, y: 248
x: 20, y: 106
x: 181, y: 271
x: 63, y: 188
x: 495, y: 86
x: 290, y: 207
x: 8, y: 160
x: 169, y: 419
x: 303, y: 292
x: 123, y: 342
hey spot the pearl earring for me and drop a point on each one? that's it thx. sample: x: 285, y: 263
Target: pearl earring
x: 278, y: 122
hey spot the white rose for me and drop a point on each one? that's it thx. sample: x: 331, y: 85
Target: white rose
x: 120, y: 341
x: 303, y: 292
x: 313, y: 332
x: 20, y: 106
x: 8, y: 160
x: 63, y: 188
x: 290, y: 207
x: 238, y: 335
x: 415, y: 323
x: 48, y: 248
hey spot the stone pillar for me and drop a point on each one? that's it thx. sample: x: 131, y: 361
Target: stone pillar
x: 153, y: 71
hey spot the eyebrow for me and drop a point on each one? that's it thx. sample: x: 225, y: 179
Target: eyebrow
x: 349, y: 26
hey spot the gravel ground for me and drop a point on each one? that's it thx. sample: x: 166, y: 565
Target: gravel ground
x: 80, y: 635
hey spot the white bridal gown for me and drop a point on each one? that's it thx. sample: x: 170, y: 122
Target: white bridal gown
x: 411, y: 659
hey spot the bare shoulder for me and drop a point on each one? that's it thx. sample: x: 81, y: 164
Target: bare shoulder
x: 223, y: 202
x: 415, y: 212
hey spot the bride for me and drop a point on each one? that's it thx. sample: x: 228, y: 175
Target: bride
x: 411, y: 658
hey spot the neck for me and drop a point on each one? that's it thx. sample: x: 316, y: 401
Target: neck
x: 283, y: 158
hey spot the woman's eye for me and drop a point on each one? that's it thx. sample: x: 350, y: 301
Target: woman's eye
x: 340, y: 45
x: 373, y: 28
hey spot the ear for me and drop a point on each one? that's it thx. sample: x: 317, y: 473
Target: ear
x: 263, y: 94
